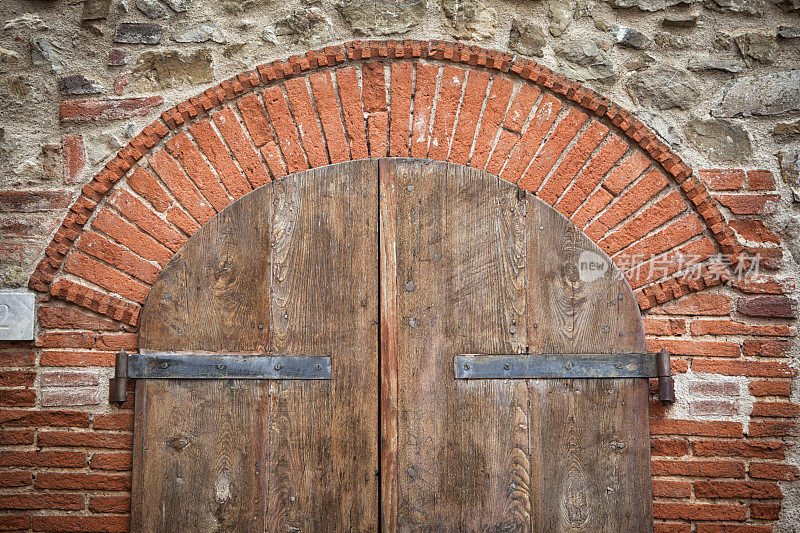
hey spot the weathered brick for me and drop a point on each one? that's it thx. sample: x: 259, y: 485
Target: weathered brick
x: 669, y: 447
x: 496, y: 104
x: 714, y: 387
x: 764, y: 284
x: 664, y: 326
x: 671, y: 489
x: 531, y: 140
x: 84, y: 439
x: 551, y: 150
x: 254, y: 119
x: 115, y: 421
x: 108, y: 108
x: 699, y: 511
x: 693, y: 347
x: 20, y: 418
x: 730, y: 179
x: 100, y: 274
x: 145, y: 185
x: 64, y: 502
x: 770, y: 388
x: 467, y: 124
x: 627, y: 204
x: 304, y: 116
x: 80, y: 481
x: 749, y: 204
x: 221, y: 161
x: 128, y: 235
x: 353, y: 111
x: 754, y: 231
x: 737, y: 489
x: 713, y: 408
x: 775, y: 409
x: 242, y: 149
x: 663, y: 426
x: 781, y: 472
x: 760, y: 180
x: 377, y: 128
x: 12, y: 478
x: 110, y: 504
x: 57, y: 459
x: 731, y: 327
x: 575, y: 159
x: 119, y: 257
x: 452, y: 85
x: 184, y: 150
x: 285, y: 130
x: 82, y: 524
x: 727, y: 448
x: 111, y: 461
x: 181, y: 186
x: 68, y: 397
x: 728, y: 367
x: 329, y: 115
x: 767, y: 306
x: 517, y: 114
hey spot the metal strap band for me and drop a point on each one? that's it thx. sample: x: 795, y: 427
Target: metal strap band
x: 554, y: 366
x: 227, y: 366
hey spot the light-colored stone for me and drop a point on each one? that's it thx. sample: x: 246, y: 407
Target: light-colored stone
x: 19, y: 87
x: 169, y: 68
x: 680, y: 20
x: 201, y: 33
x: 789, y: 163
x: 630, y: 37
x: 526, y: 38
x: 663, y: 87
x: 100, y: 146
x: 585, y: 60
x: 648, y: 5
x: 179, y: 6
x: 770, y: 94
x: 668, y: 41
x: 701, y: 63
x: 748, y: 7
x: 151, y: 8
x: 470, y: 20
x: 9, y: 60
x: 756, y: 47
x: 664, y: 129
x: 789, y: 32
x: 45, y: 53
x: 720, y: 139
x: 560, y: 13
x: 30, y: 21
x: 237, y: 7
x: 382, y: 18
x: 307, y: 27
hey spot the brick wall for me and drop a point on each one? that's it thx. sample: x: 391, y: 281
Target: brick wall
x: 721, y: 455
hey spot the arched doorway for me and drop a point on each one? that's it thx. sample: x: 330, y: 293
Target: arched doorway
x: 393, y: 269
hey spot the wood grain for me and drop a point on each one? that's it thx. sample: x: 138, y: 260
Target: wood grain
x: 589, y: 439
x: 323, y: 468
x: 462, y: 459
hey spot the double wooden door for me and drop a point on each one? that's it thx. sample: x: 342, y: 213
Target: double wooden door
x: 390, y: 267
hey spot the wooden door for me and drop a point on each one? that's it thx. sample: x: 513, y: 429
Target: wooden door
x: 390, y: 268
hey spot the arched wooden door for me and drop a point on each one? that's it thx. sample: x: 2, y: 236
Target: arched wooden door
x: 392, y: 269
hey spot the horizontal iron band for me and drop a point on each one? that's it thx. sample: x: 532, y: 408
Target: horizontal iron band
x: 554, y: 366
x: 227, y: 366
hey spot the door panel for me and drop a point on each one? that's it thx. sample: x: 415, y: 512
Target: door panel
x: 290, y: 268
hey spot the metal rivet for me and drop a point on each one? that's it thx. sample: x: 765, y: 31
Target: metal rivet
x: 506, y: 367
x: 261, y: 327
x: 512, y: 329
x: 363, y: 303
x: 278, y: 366
x: 466, y: 367
x: 220, y: 367
x: 410, y: 286
x: 617, y: 365
x: 164, y: 365
x: 286, y: 315
x: 412, y: 322
x: 619, y: 297
x: 569, y: 365
x: 318, y: 367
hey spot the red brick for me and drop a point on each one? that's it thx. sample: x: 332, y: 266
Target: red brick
x: 775, y: 409
x: 749, y: 204
x: 254, y: 119
x: 663, y: 527
x: 452, y: 85
x: 737, y: 489
x: 84, y: 439
x: 726, y: 448
x: 731, y: 327
x: 563, y: 133
x: 19, y: 418
x: 328, y: 110
x: 754, y: 231
x: 76, y: 358
x: 692, y: 347
x: 182, y: 220
x: 146, y: 186
x: 63, y: 339
x: 532, y: 139
x: 17, y: 398
x: 730, y: 179
x: 80, y: 481
x: 626, y: 173
x: 663, y: 426
x: 659, y: 242
x: 664, y: 326
x: 126, y: 234
x: 30, y: 201
x: 573, y: 162
x: 496, y: 104
x: 115, y: 421
x: 147, y: 220
x: 775, y: 471
x: 591, y: 207
x: 43, y: 459
x: 100, y: 274
x: 82, y: 524
x: 669, y: 447
x: 111, y: 461
x: 306, y: 119
x: 731, y: 528
x: 33, y: 227
x: 518, y: 113
x: 74, y: 159
x: 743, y: 368
x: 506, y: 143
x: 180, y: 186
x: 698, y: 304
x: 770, y: 388
x: 764, y: 512
x: 765, y: 348
x: 108, y: 108
x: 474, y: 95
x: 353, y: 111
x: 605, y: 159
x: 285, y: 130
x: 767, y: 306
x: 17, y: 378
x: 117, y: 341
x: 671, y: 489
x: 9, y: 437
x: 274, y: 161
x: 217, y: 154
x: 19, y: 358
x: 374, y: 87
x: 773, y: 429
x: 117, y: 256
x: 16, y: 479
x: 627, y: 204
x: 761, y: 180
x: 666, y: 265
x: 763, y: 284
x: 377, y: 126
x: 699, y: 511
x: 64, y: 502
x: 110, y: 504
x: 184, y: 150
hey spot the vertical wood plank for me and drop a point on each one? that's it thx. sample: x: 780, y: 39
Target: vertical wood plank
x: 462, y: 460
x: 589, y: 444
x: 388, y: 345
x: 200, y: 446
x: 323, y: 461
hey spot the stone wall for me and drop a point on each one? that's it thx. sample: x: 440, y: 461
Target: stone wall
x: 716, y: 79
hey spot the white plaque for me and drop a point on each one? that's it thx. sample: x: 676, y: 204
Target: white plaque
x: 16, y: 316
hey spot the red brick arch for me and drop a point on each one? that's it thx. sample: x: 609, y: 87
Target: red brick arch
x: 578, y: 151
